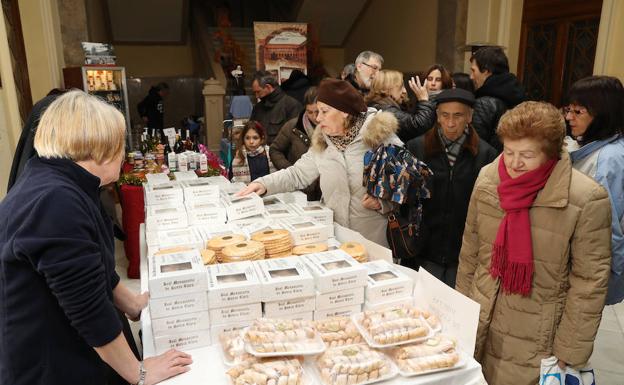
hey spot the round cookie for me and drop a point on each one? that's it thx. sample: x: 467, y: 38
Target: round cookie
x: 309, y: 249
x: 356, y: 250
x: 270, y: 235
x: 209, y: 257
x: 218, y: 243
x: 242, y: 251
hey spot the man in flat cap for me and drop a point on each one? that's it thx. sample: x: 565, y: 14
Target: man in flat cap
x: 455, y: 154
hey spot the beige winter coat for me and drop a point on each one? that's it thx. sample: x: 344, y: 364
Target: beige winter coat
x: 570, y: 229
x: 341, y: 175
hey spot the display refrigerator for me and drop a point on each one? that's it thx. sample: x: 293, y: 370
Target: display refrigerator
x: 106, y: 82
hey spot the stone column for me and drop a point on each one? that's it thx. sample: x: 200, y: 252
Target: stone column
x: 213, y: 113
x: 451, y: 33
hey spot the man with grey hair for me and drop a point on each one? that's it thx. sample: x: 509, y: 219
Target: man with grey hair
x: 367, y: 64
x: 274, y: 107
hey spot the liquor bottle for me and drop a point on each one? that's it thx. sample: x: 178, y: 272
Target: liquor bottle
x: 179, y: 145
x: 164, y: 140
x: 144, y: 146
x: 188, y: 143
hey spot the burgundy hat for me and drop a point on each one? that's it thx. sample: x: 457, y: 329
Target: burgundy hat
x: 341, y: 95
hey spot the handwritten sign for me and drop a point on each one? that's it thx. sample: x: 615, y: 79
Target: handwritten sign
x: 458, y: 313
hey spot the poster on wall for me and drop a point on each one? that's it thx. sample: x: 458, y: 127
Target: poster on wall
x: 98, y: 53
x: 281, y: 48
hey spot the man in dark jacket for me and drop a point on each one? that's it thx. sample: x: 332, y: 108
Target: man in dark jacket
x: 151, y: 108
x: 275, y: 107
x: 497, y: 90
x: 367, y: 64
x: 455, y: 154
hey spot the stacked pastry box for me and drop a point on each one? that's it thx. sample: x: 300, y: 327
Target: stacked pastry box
x: 178, y: 300
x: 386, y: 286
x: 340, y: 283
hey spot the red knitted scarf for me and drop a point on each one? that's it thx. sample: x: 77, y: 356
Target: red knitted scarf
x: 512, y: 251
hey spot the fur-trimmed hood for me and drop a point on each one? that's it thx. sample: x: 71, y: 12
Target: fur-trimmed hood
x: 379, y: 127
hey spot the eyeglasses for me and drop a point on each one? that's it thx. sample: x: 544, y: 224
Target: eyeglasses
x: 373, y: 67
x: 574, y: 111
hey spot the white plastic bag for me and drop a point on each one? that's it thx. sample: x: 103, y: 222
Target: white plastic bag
x: 552, y: 374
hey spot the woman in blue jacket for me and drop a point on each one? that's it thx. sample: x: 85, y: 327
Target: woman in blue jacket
x: 58, y: 287
x: 595, y: 117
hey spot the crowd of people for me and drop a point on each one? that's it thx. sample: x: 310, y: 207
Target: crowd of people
x: 524, y: 214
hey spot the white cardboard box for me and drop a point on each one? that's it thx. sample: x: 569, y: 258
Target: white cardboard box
x: 243, y: 207
x: 200, y: 191
x: 343, y: 298
x: 317, y: 211
x: 169, y: 193
x: 305, y: 316
x: 157, y: 178
x: 271, y: 200
x: 278, y: 309
x: 179, y: 304
x: 219, y: 180
x: 347, y: 311
x: 333, y: 244
x: 233, y: 284
x: 304, y: 230
x: 187, y: 237
x: 185, y: 175
x: 204, y: 213
x: 176, y: 273
x: 335, y: 270
x: 386, y: 282
x: 186, y: 322
x: 284, y: 278
x: 250, y: 223
x: 396, y: 302
x: 280, y: 210
x: 231, y: 189
x: 216, y: 330
x: 182, y: 341
x: 245, y: 312
x: 296, y: 197
x: 165, y: 217
x: 215, y: 230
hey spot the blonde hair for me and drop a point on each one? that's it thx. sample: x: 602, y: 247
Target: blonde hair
x: 383, y: 84
x: 79, y: 127
x: 535, y: 120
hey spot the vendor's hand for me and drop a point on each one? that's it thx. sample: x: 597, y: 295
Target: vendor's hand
x: 166, y: 365
x: 562, y: 365
x: 140, y: 302
x: 371, y: 202
x: 419, y: 90
x: 252, y: 187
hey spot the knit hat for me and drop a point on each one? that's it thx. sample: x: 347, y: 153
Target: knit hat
x: 455, y: 95
x: 341, y: 95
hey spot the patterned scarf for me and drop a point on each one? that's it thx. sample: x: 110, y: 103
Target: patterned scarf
x: 341, y: 142
x: 453, y: 147
x: 255, y: 152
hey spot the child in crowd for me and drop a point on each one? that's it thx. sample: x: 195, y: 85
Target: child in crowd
x: 252, y: 159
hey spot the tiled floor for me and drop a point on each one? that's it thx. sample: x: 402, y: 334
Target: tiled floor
x: 607, y: 360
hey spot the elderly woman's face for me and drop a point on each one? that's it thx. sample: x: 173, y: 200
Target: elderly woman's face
x: 331, y: 120
x: 522, y: 155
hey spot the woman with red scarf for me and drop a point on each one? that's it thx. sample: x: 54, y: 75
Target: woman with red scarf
x: 536, y: 251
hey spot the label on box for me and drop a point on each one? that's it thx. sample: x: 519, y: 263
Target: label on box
x: 176, y: 273
x: 180, y: 304
x: 243, y: 207
x: 182, y: 341
x: 245, y: 312
x: 216, y: 330
x: 277, y: 309
x: 306, y: 316
x: 231, y: 284
x: 305, y: 230
x: 347, y: 311
x: 284, y: 278
x: 385, y: 282
x: 335, y: 270
x: 181, y: 323
x: 341, y: 298
x: 200, y: 190
x: 163, y: 194
x: 165, y: 217
x: 204, y: 213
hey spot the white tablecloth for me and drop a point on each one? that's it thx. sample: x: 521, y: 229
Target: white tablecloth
x: 208, y: 366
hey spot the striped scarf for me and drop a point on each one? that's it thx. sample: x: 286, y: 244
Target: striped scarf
x: 452, y: 147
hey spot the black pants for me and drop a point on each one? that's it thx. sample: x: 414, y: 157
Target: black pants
x: 444, y: 272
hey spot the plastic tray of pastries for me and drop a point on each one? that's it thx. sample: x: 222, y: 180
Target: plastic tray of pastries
x: 268, y: 337
x: 436, y: 354
x: 354, y: 365
x: 273, y: 371
x: 233, y: 347
x: 433, y: 321
x: 392, y: 326
x: 338, y: 331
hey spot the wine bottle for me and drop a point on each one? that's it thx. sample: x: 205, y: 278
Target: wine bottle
x: 179, y: 146
x: 188, y: 143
